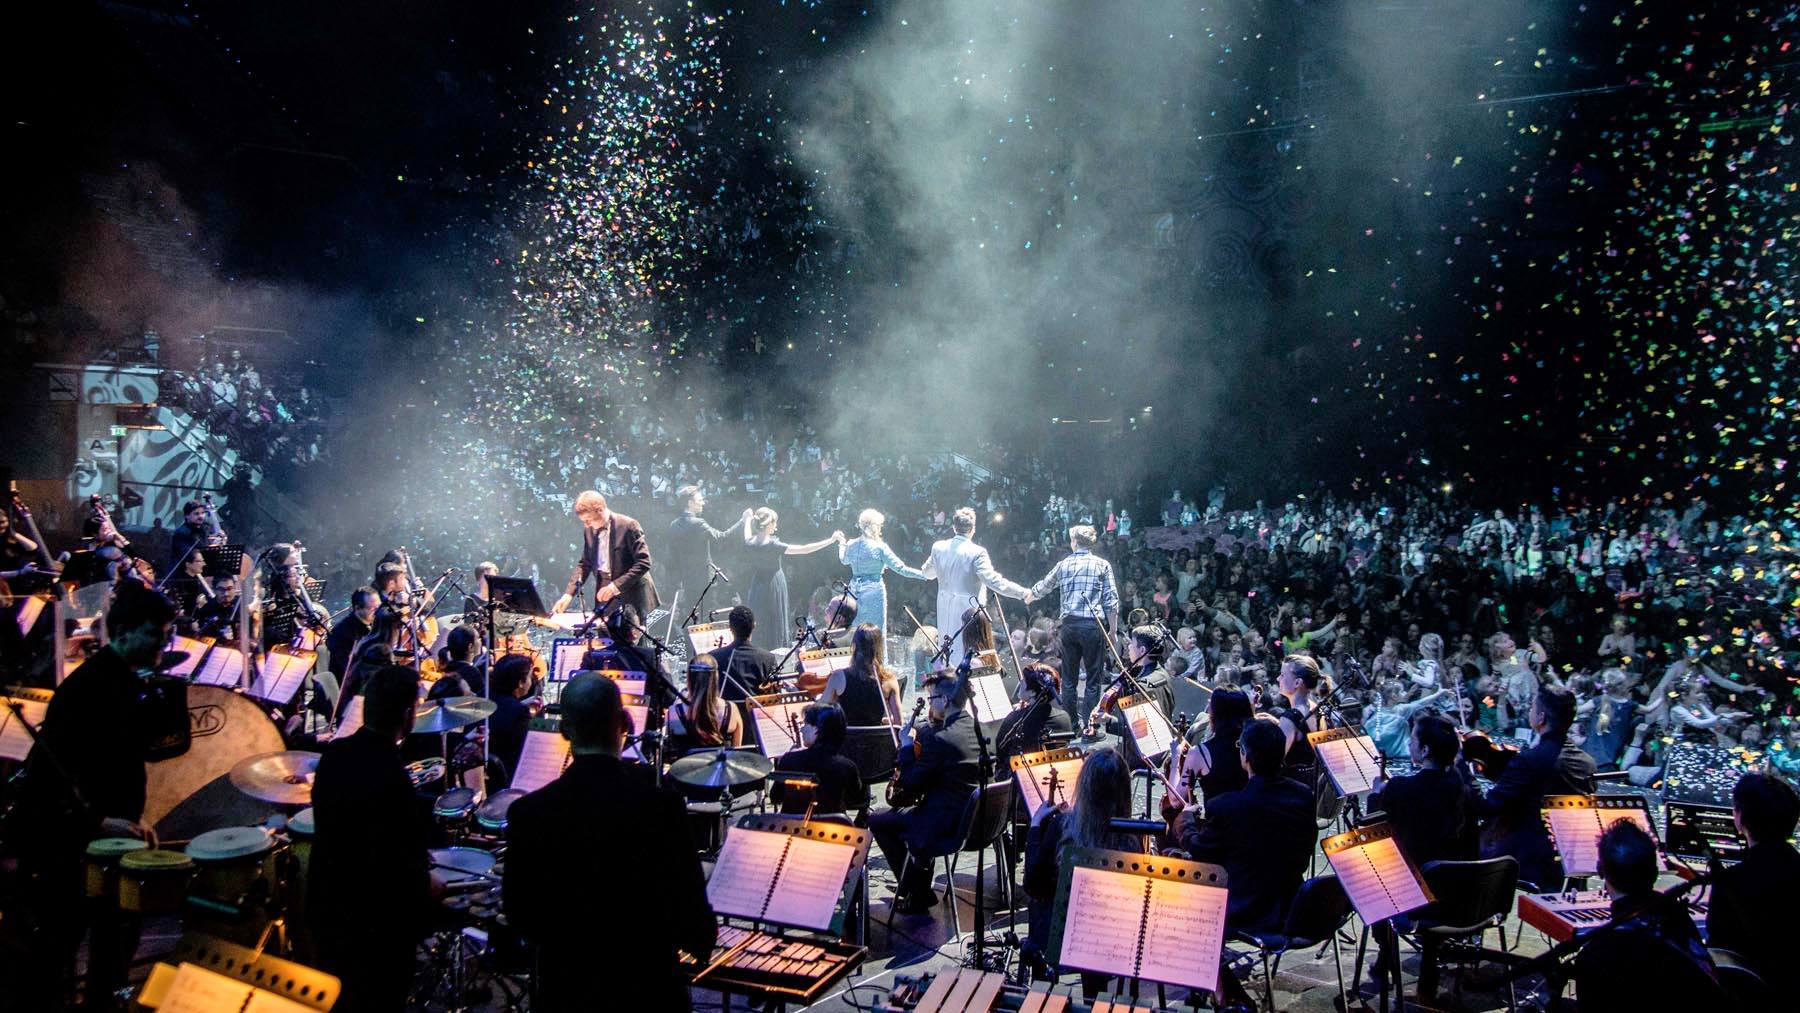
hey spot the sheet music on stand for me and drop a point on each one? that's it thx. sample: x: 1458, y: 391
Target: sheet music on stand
x: 1378, y: 877
x: 709, y: 637
x: 774, y: 732
x: 786, y: 870
x: 1349, y: 756
x: 826, y: 661
x: 281, y: 674
x: 1149, y: 729
x: 352, y: 719
x: 565, y: 657
x: 224, y: 666
x: 1140, y: 916
x: 1576, y: 822
x: 15, y: 742
x: 637, y: 708
x: 545, y: 756
x: 224, y: 560
x: 30, y: 608
x: 629, y: 683
x: 988, y: 695
x: 195, y: 989
x: 1032, y: 771
x: 196, y: 650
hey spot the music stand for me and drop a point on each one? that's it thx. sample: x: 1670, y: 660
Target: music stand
x: 1575, y: 823
x: 1033, y: 773
x: 223, y: 560
x: 1382, y: 884
x: 1140, y: 917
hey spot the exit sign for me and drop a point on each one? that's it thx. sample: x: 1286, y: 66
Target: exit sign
x: 120, y: 430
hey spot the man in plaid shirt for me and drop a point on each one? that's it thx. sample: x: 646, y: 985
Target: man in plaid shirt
x: 1090, y: 599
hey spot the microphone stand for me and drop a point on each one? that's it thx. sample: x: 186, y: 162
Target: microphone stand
x: 693, y: 615
x: 984, y: 765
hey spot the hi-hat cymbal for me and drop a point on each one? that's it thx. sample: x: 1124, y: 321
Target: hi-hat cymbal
x: 721, y: 769
x: 449, y: 714
x: 282, y: 778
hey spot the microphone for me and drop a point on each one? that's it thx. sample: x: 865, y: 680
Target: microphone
x: 719, y: 573
x: 720, y: 612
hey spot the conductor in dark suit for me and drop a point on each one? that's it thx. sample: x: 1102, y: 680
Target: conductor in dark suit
x: 1262, y: 834
x: 940, y: 777
x: 605, y: 940
x: 689, y: 553
x: 1513, y: 807
x: 750, y: 667
x: 613, y: 552
x: 370, y: 879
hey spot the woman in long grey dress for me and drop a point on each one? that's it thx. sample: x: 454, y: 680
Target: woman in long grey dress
x: 767, y: 592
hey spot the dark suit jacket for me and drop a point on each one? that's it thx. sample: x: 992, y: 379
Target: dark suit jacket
x: 1430, y: 813
x: 602, y: 875
x: 1752, y: 913
x: 341, y: 641
x: 369, y: 860
x: 630, y: 560
x: 1263, y: 835
x: 689, y: 554
x: 1024, y: 731
x: 943, y: 774
x: 750, y: 665
x: 1512, y: 808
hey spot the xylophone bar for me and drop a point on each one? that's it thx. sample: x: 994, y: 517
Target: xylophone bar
x: 970, y: 991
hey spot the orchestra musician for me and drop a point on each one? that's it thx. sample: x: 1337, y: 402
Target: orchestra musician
x: 196, y: 531
x: 19, y: 566
x: 613, y: 552
x: 1263, y: 833
x: 1213, y: 763
x: 218, y: 617
x: 866, y: 689
x: 938, y: 766
x: 1645, y: 933
x: 1512, y: 807
x: 1143, y: 660
x: 370, y: 884
x: 191, y: 591
x: 614, y: 935
x: 751, y: 669
x: 1101, y: 793
x: 839, y: 785
x: 965, y: 574
x: 1753, y: 902
x: 85, y: 779
x: 287, y: 607
x: 712, y: 720
x: 356, y: 624
x: 1037, y: 717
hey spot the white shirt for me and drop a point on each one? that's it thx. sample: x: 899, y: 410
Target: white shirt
x: 965, y: 574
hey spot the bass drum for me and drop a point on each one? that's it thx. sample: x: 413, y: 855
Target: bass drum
x: 190, y: 794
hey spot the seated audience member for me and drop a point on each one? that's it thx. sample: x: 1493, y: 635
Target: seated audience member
x: 604, y: 813
x: 1651, y: 956
x: 838, y: 785
x: 1754, y: 902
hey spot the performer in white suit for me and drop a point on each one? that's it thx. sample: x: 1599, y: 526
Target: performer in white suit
x: 964, y: 574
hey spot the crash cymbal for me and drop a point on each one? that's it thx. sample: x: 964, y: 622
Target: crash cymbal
x: 722, y: 768
x: 449, y: 714
x: 282, y: 778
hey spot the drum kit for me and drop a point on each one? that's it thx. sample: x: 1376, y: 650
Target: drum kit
x: 721, y: 774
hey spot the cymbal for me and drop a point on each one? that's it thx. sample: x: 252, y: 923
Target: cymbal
x: 721, y: 769
x: 450, y: 713
x: 282, y: 778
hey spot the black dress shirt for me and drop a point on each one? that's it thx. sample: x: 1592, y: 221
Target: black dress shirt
x: 1263, y: 835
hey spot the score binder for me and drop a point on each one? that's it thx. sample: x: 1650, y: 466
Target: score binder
x: 1378, y: 877
x: 1575, y: 823
x: 786, y: 870
x: 1140, y: 916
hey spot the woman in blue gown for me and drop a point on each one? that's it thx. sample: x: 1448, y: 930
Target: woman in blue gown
x: 868, y: 557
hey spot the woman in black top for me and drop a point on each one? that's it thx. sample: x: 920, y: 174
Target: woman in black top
x: 866, y: 689
x: 838, y: 784
x: 1215, y: 761
x: 1299, y: 677
x: 1038, y: 716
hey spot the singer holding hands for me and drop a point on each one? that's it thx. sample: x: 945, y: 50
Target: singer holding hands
x: 613, y: 552
x: 1090, y: 613
x: 767, y: 591
x: 868, y: 557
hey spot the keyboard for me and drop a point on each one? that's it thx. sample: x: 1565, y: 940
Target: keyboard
x: 1563, y: 916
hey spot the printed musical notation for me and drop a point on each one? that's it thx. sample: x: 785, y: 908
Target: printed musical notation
x: 1035, y: 779
x: 988, y: 696
x: 1149, y: 729
x: 1575, y: 830
x: 542, y: 760
x: 1350, y: 760
x: 778, y: 877
x: 1376, y: 875
x: 1144, y: 927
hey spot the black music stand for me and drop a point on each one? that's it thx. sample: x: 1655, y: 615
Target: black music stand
x: 222, y: 560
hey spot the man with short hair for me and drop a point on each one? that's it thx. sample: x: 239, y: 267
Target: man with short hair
x: 85, y: 779
x: 370, y: 875
x: 614, y: 553
x: 940, y: 773
x: 750, y: 668
x: 186, y: 540
x: 1646, y: 932
x: 356, y: 624
x: 1513, y: 807
x: 1263, y: 833
x: 965, y: 574
x: 1753, y: 902
x: 602, y: 813
x: 689, y: 553
x: 1090, y: 612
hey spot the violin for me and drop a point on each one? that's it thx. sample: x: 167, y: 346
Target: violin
x: 896, y: 795
x: 1107, y: 699
x: 1179, y: 781
x: 1488, y: 757
x: 109, y: 533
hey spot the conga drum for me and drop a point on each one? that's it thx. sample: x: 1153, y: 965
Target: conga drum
x: 154, y: 881
x: 491, y: 817
x: 103, y: 854
x: 233, y: 868
x: 301, y: 828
